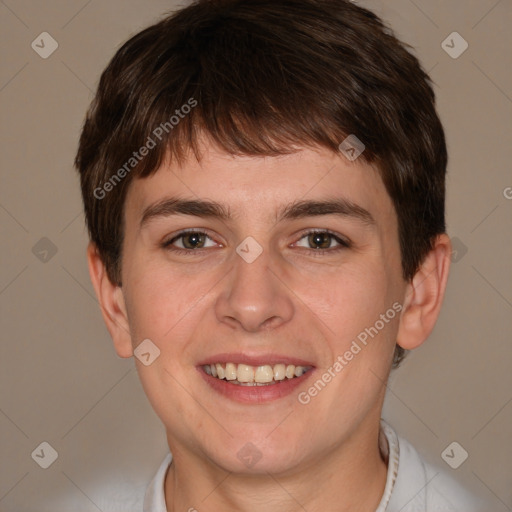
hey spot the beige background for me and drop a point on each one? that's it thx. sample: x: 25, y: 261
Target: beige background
x: 60, y: 379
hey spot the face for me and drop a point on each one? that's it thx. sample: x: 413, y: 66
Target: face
x: 270, y: 267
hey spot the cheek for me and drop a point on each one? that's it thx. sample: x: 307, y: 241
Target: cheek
x: 165, y: 303
x: 346, y: 300
x: 164, y: 307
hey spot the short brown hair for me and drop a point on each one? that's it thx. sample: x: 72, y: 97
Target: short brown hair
x: 265, y: 78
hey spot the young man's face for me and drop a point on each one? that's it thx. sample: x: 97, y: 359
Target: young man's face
x: 302, y: 302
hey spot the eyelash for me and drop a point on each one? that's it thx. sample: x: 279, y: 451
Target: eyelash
x: 344, y: 244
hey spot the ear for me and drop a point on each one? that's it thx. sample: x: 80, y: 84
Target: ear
x: 111, y: 299
x: 424, y: 295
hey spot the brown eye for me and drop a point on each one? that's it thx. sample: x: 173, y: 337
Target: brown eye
x: 318, y: 240
x: 188, y: 241
x: 193, y: 240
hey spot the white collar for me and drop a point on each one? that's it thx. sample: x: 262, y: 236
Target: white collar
x: 390, y: 450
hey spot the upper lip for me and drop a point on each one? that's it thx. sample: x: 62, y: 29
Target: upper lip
x: 254, y: 359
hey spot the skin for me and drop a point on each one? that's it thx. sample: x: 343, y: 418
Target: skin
x: 291, y: 300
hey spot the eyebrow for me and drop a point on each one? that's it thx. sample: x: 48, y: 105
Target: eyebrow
x: 297, y: 210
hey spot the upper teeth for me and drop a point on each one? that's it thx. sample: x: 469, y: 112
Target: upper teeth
x: 245, y: 373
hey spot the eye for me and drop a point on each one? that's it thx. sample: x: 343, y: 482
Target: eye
x: 187, y: 241
x: 318, y: 240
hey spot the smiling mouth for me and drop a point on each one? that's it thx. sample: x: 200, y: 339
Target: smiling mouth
x: 247, y: 375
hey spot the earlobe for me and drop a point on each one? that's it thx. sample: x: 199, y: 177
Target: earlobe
x: 424, y: 295
x: 112, y: 304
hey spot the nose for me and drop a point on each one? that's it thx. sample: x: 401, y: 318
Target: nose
x: 254, y: 297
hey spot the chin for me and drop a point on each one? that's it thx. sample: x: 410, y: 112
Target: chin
x: 258, y: 456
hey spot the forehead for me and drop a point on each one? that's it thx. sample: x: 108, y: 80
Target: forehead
x: 261, y: 187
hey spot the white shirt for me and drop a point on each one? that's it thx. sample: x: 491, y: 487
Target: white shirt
x: 412, y: 485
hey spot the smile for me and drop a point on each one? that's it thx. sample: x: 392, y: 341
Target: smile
x: 247, y: 375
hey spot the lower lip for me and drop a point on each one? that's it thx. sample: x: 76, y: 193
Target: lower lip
x: 255, y: 394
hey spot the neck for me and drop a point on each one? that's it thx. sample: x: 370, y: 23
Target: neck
x: 352, y: 475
